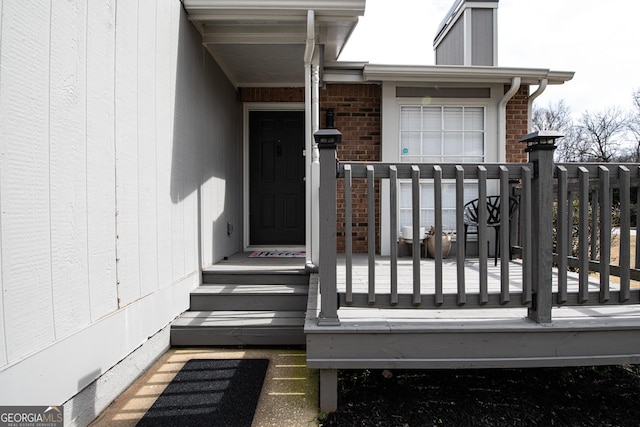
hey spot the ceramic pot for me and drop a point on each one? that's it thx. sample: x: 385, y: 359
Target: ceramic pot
x: 431, y: 245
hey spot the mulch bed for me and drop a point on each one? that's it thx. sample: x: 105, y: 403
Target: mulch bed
x: 587, y: 396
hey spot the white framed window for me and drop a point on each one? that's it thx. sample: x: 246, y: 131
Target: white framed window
x: 439, y: 134
x: 450, y: 134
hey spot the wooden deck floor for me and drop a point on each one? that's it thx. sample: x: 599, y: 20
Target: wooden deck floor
x: 433, y: 338
x: 353, y: 318
x: 241, y: 262
x: 427, y: 275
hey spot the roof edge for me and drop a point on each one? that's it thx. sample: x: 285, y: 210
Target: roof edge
x: 328, y: 7
x: 472, y: 74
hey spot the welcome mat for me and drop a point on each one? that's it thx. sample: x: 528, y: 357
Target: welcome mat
x: 210, y: 392
x: 278, y: 254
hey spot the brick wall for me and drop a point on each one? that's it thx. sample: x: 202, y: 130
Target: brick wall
x: 272, y: 94
x: 357, y: 115
x: 517, y: 125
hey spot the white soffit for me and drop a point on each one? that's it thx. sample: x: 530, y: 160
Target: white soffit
x: 261, y: 42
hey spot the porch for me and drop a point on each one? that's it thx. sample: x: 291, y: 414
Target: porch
x: 451, y: 336
x: 560, y: 301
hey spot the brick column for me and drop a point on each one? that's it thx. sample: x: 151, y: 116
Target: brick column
x: 357, y: 115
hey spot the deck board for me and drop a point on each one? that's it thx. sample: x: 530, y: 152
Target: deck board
x: 450, y: 284
x: 249, y: 289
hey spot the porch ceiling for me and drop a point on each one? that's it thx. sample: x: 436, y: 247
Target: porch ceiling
x: 262, y: 42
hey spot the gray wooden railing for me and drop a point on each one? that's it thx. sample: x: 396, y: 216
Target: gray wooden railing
x: 542, y: 188
x: 584, y: 200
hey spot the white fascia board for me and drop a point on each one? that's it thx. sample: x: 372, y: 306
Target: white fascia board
x: 260, y: 7
x: 335, y: 76
x: 343, y: 72
x: 460, y: 74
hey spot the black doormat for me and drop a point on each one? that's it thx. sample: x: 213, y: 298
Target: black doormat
x: 210, y: 392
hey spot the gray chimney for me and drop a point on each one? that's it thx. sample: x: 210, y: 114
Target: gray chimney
x: 468, y: 35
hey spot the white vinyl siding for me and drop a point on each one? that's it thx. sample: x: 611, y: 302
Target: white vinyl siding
x: 120, y: 140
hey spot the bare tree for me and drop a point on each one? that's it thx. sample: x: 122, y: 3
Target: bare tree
x: 552, y: 117
x: 558, y: 117
x: 602, y: 134
x: 634, y: 127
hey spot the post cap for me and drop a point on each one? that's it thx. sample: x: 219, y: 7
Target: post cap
x: 327, y: 138
x: 542, y: 139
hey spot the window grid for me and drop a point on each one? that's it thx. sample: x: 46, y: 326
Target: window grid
x: 433, y: 134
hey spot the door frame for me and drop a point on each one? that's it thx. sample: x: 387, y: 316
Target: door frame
x: 247, y: 108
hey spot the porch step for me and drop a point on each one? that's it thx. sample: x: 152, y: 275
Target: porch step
x: 245, y: 307
x: 263, y: 327
x: 257, y: 277
x: 249, y: 297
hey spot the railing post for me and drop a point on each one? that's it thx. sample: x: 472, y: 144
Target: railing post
x: 540, y: 146
x: 327, y: 140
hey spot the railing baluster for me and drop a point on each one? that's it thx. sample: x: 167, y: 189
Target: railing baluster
x: 393, y: 233
x: 505, y: 231
x: 575, y: 183
x: 637, y: 263
x: 625, y: 233
x: 583, y: 234
x: 595, y: 202
x: 605, y: 233
x: 371, y: 224
x: 462, y: 295
x: 561, y: 237
x: 526, y: 236
x: 570, y: 220
x: 415, y: 205
x: 482, y: 234
x: 348, y: 232
x: 437, y: 204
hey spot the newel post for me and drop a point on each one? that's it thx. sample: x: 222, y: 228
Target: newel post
x: 327, y: 140
x: 541, y: 146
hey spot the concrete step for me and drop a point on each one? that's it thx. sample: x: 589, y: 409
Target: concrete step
x: 239, y: 327
x: 249, y: 297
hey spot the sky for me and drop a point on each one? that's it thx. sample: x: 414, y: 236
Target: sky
x: 598, y: 40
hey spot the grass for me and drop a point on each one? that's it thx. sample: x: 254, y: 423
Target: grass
x: 615, y: 258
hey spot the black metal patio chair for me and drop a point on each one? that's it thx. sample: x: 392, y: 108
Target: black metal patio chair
x: 493, y: 219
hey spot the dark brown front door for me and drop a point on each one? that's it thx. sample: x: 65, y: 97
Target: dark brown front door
x: 276, y: 178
